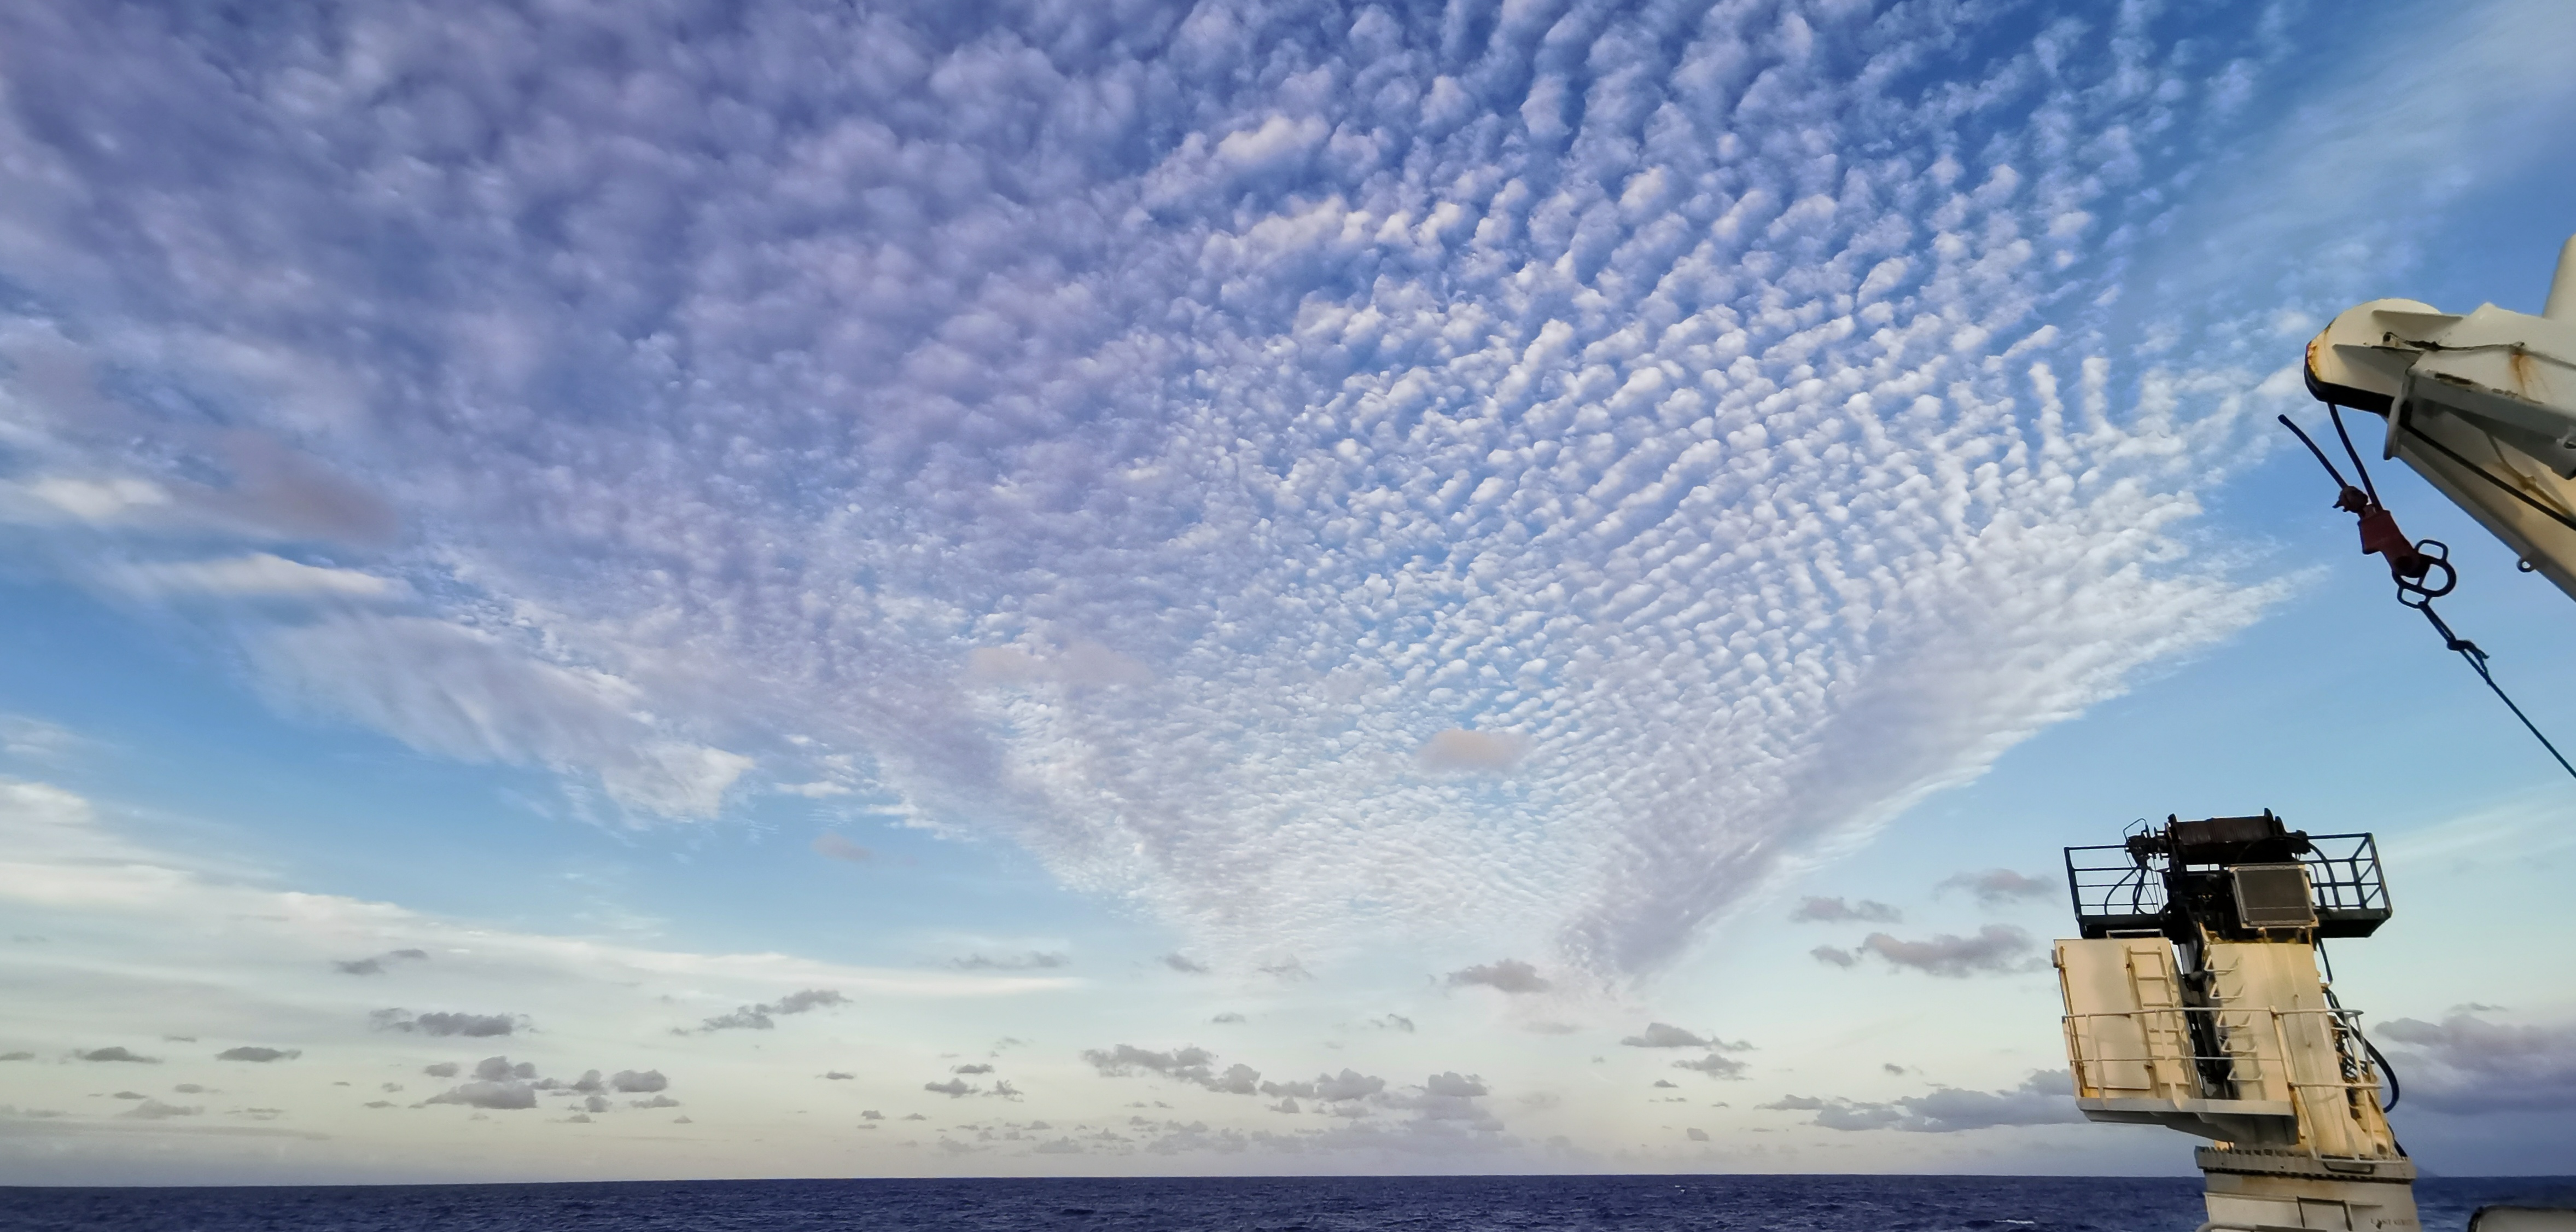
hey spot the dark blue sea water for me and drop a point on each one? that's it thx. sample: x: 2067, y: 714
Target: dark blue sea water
x: 1311, y: 1204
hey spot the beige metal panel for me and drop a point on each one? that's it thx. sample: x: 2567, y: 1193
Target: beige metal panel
x: 2125, y: 1034
x: 2230, y: 1212
x: 2272, y: 1202
x: 2286, y: 1044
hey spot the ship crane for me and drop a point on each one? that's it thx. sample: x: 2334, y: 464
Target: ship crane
x: 2194, y: 999
x: 2197, y: 996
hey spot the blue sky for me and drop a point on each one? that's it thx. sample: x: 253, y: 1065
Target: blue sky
x: 988, y: 594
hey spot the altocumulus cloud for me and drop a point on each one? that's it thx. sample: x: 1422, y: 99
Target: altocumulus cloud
x: 1121, y: 436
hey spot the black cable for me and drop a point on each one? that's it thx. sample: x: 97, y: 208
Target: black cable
x: 2377, y: 1058
x: 2367, y: 488
x: 2301, y: 433
x: 2477, y: 661
x: 2419, y: 596
x: 2387, y: 1071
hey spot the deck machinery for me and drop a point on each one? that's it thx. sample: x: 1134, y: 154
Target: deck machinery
x: 2194, y: 999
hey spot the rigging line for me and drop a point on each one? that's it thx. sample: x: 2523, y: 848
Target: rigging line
x: 2368, y: 488
x: 2301, y: 433
x: 2477, y: 661
x: 2481, y: 472
x: 2467, y: 650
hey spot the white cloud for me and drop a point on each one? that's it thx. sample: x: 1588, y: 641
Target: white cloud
x: 465, y: 693
x: 97, y: 500
x: 1148, y: 454
x: 1275, y: 145
x: 63, y: 857
x: 35, y: 740
x: 1455, y: 749
x: 256, y: 575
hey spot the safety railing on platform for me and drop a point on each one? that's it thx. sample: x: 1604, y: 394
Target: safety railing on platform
x: 2117, y: 891
x: 2159, y: 1055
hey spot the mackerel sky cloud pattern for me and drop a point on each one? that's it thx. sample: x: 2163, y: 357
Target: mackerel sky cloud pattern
x: 1512, y: 473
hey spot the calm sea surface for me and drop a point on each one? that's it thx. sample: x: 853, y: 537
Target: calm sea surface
x: 1325, y: 1204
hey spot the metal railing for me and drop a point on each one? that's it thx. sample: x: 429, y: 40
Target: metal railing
x: 2255, y: 1062
x: 2117, y: 891
x: 2344, y: 873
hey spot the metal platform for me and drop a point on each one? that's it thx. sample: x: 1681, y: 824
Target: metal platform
x: 2121, y: 890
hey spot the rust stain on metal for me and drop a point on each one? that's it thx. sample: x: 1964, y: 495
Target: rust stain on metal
x: 2518, y: 362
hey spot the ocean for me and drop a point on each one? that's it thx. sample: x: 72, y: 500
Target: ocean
x: 1305, y: 1204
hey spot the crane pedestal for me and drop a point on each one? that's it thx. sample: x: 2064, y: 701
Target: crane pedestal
x: 2194, y: 1001
x: 2261, y: 1188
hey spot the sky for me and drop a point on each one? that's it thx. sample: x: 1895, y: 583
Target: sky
x: 648, y: 589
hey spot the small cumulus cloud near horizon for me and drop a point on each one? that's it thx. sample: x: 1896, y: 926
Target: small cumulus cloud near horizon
x: 1453, y: 477
x: 765, y: 1016
x: 1995, y: 949
x: 1507, y: 975
x: 1835, y: 910
x: 1996, y: 886
x: 2041, y: 1099
x: 445, y: 1023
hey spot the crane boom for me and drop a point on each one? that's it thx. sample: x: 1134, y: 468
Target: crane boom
x: 2482, y: 405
